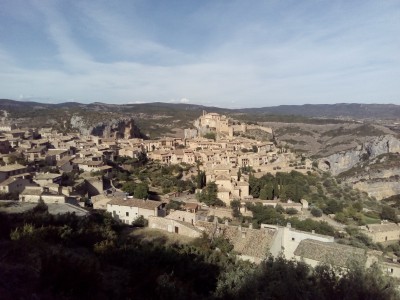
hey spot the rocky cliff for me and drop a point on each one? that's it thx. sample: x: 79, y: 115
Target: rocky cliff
x: 373, y: 167
x: 340, y: 162
x: 118, y: 128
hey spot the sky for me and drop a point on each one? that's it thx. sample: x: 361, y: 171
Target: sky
x: 231, y: 54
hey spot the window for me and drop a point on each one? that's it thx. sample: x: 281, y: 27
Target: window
x: 127, y: 214
x: 292, y: 238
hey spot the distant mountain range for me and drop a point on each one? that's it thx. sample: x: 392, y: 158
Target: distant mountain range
x: 340, y: 110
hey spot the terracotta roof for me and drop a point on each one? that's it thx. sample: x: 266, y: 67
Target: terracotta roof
x: 47, y: 176
x: 246, y: 241
x: 32, y: 191
x: 56, y: 151
x: 13, y: 167
x: 145, y: 204
x: 37, y: 149
x: 190, y: 205
x: 383, y: 227
x: 8, y: 181
x: 329, y: 252
x: 222, y: 177
x: 64, y: 160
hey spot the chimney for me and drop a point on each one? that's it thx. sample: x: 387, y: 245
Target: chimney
x: 251, y: 226
x: 226, y: 222
x: 288, y: 225
x: 313, y: 231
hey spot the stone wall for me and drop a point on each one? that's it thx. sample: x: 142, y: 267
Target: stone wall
x: 174, y: 226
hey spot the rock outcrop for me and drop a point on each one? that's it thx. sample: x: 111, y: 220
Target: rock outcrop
x: 118, y: 128
x: 380, y: 188
x: 340, y: 162
x: 373, y: 167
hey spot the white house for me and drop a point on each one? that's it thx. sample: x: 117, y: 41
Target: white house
x: 128, y: 210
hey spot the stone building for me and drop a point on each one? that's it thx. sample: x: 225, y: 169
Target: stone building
x: 384, y: 232
x: 128, y: 210
x: 174, y: 226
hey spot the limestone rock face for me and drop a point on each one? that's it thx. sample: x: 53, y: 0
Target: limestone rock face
x: 343, y: 161
x: 118, y: 128
x: 373, y: 167
x: 379, y: 189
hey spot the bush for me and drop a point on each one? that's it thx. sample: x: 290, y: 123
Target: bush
x: 316, y: 212
x: 140, y: 222
x: 291, y: 211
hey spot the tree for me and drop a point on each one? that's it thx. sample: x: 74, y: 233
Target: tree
x: 209, y: 195
x: 263, y: 194
x: 291, y: 211
x: 129, y: 187
x: 389, y: 213
x: 316, y: 212
x: 332, y: 207
x: 210, y: 135
x: 200, y: 179
x: 141, y: 191
x: 235, y: 205
x: 140, y: 222
x: 254, y: 184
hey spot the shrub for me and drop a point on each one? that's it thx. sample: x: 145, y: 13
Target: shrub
x: 291, y: 211
x: 316, y: 212
x: 140, y: 222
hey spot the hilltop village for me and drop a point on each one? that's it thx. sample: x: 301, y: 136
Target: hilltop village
x: 218, y: 180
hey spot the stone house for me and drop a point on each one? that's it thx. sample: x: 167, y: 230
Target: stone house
x: 251, y: 244
x: 129, y: 152
x: 47, y: 178
x: 384, y: 232
x: 313, y: 252
x: 7, y: 126
x: 15, y: 170
x: 128, y: 210
x: 5, y: 146
x: 65, y: 164
x: 287, y: 239
x: 191, y: 207
x: 36, y: 153
x: 14, y: 185
x: 174, y: 226
x: 90, y: 165
x: 35, y: 194
x: 54, y: 155
x: 184, y: 216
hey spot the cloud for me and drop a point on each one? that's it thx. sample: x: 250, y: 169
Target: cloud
x: 267, y: 54
x: 182, y: 100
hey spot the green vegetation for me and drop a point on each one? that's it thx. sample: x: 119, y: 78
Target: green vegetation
x: 275, y: 216
x: 210, y: 135
x: 285, y: 186
x: 66, y: 257
x: 325, y: 194
x: 209, y: 195
x: 359, y: 131
x: 141, y: 191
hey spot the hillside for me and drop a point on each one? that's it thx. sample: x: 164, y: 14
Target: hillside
x: 341, y: 110
x: 158, y: 119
